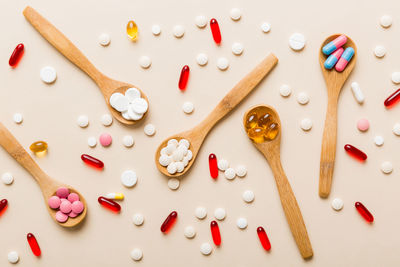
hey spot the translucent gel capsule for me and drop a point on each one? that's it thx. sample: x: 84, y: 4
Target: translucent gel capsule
x: 3, y: 206
x: 39, y: 147
x: 89, y: 160
x: 251, y: 121
x: 392, y: 99
x: 132, y: 30
x: 109, y: 204
x: 262, y: 235
x: 216, y: 235
x: 256, y: 134
x: 169, y: 222
x: 33, y: 244
x: 216, y: 33
x: 364, y: 212
x: 264, y: 120
x: 271, y: 131
x: 355, y: 152
x: 16, y: 55
x: 183, y: 79
x: 213, y: 164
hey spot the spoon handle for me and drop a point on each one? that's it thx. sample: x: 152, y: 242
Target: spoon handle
x: 61, y: 43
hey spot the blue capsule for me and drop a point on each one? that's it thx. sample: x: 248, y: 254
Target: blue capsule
x: 335, y: 44
x: 333, y: 59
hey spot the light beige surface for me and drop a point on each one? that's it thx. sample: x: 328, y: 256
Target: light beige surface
x: 105, y: 239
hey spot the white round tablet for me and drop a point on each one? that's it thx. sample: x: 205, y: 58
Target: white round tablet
x: 171, y: 168
x: 386, y: 167
x: 386, y: 21
x: 380, y: 51
x: 173, y: 183
x: 236, y: 13
x: 83, y: 121
x: 188, y: 107
x: 138, y: 219
x: 265, y: 27
x: 200, y: 213
x: 125, y: 115
x: 396, y: 77
x: 139, y: 105
x: 285, y: 90
x: 149, y: 129
x: 379, y: 140
x: 306, y: 124
x: 17, y: 117
x: 223, y: 164
x: 156, y: 29
x: 184, y: 142
x: 104, y: 39
x: 189, y: 232
x: 201, y: 21
x: 248, y: 196
x: 136, y: 254
x: 92, y: 141
x: 119, y: 102
x: 220, y: 214
x: 202, y: 59
x: 128, y: 141
x: 396, y: 129
x: 237, y: 49
x: 297, y: 41
x: 222, y: 63
x: 180, y: 166
x: 178, y: 31
x: 241, y: 223
x: 132, y: 93
x: 165, y: 160
x: 48, y: 74
x: 337, y: 204
x: 144, y: 62
x: 7, y: 178
x: 303, y: 98
x: 205, y: 249
x: 132, y: 115
x: 241, y: 170
x: 129, y: 178
x: 13, y: 257
x: 106, y: 119
x: 173, y: 142
x: 230, y: 173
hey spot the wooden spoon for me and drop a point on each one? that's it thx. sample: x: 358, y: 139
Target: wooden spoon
x: 271, y: 151
x: 334, y: 81
x: 107, y: 85
x: 197, y: 135
x: 47, y: 184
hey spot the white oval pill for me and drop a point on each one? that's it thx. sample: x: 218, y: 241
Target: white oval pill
x: 396, y: 129
x: 13, y: 257
x: 156, y: 29
x: 222, y: 63
x: 386, y: 167
x: 132, y: 93
x: 139, y: 105
x: 128, y: 141
x: 241, y: 170
x: 129, y: 178
x: 386, y: 21
x: 248, y: 196
x: 380, y: 51
x: 178, y: 31
x: 92, y: 141
x: 104, y: 39
x: 172, y: 168
x: 106, y: 119
x: 237, y: 49
x: 285, y: 90
x: 297, y: 41
x: 265, y: 27
x: 337, y: 204
x: 136, y: 254
x: 48, y: 74
x: 7, y: 178
x: 220, y: 214
x: 149, y: 129
x: 357, y: 93
x: 119, y: 102
x: 303, y: 98
x: 173, y: 183
x: 17, y: 117
x: 144, y: 62
x: 306, y: 124
x: 223, y: 164
x: 83, y: 121
x: 137, y: 219
x: 396, y: 77
x: 230, y: 173
x: 241, y: 223
x: 205, y: 249
x: 201, y: 21
x: 200, y: 213
x: 188, y: 107
x: 189, y: 232
x: 202, y: 59
x: 236, y: 14
x: 378, y: 140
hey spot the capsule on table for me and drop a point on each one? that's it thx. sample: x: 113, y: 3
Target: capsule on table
x: 89, y: 160
x: 216, y: 33
x: 392, y: 99
x: 213, y: 165
x: 333, y: 59
x: 3, y: 205
x: 345, y: 59
x: 109, y: 204
x: 169, y: 222
x: 183, y: 79
x: 335, y: 44
x: 364, y: 212
x: 355, y: 152
x: 116, y: 196
x: 33, y: 244
x: 262, y: 235
x: 215, y: 233
x: 16, y: 55
x: 39, y: 148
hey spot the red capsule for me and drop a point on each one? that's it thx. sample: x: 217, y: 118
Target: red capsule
x: 89, y: 160
x: 364, y: 212
x: 3, y: 206
x: 213, y: 164
x: 216, y: 33
x: 33, y: 244
x: 183, y: 79
x: 355, y: 152
x: 262, y: 235
x: 392, y: 99
x: 16, y: 55
x: 169, y: 222
x: 216, y: 235
x: 109, y: 204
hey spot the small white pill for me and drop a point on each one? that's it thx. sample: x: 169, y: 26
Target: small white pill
x: 396, y: 129
x: 177, y: 155
x: 188, y: 107
x: 248, y: 196
x: 165, y: 160
x: 173, y: 183
x: 171, y: 169
x: 125, y: 115
x: 132, y: 115
x: 119, y: 102
x: 241, y: 170
x: 306, y: 124
x: 7, y: 178
x: 184, y: 142
x: 396, y: 77
x: 201, y: 21
x: 136, y: 254
x: 145, y: 62
x: 220, y: 214
x: 230, y: 173
x: 83, y: 121
x: 222, y: 63
x: 149, y: 129
x: 285, y: 90
x: 337, y: 204
x: 357, y: 93
x: 241, y: 223
x: 303, y: 98
x: 178, y: 31
x: 139, y: 105
x: 386, y: 167
x: 189, y: 232
x: 205, y: 249
x: 200, y: 213
x: 378, y: 140
x: 104, y: 39
x: 129, y: 178
x: 237, y: 49
x: 202, y: 59
x: 156, y: 29
x: 265, y: 27
x: 137, y: 219
x: 92, y: 141
x: 170, y: 149
x: 18, y: 118
x: 386, y: 21
x: 106, y: 120
x: 380, y: 51
x: 173, y: 142
x: 13, y: 257
x: 236, y: 13
x: 297, y: 41
x: 189, y: 155
x: 48, y: 74
x: 132, y: 93
x: 223, y: 164
x: 128, y: 141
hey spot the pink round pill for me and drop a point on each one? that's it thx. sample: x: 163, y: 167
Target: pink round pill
x: 54, y: 202
x: 73, y: 197
x: 105, y: 139
x: 65, y: 207
x: 62, y: 192
x: 73, y: 214
x: 363, y: 125
x: 61, y: 217
x: 77, y: 207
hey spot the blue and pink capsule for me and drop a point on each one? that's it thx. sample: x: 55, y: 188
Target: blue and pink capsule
x: 345, y: 59
x: 331, y: 61
x: 334, y: 45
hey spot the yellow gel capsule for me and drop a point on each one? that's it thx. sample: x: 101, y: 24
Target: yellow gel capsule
x: 38, y: 147
x: 264, y: 120
x: 256, y: 134
x: 132, y: 30
x: 116, y: 196
x: 251, y: 121
x: 271, y: 132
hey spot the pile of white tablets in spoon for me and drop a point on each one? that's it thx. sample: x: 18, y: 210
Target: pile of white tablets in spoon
x: 176, y: 155
x: 131, y: 105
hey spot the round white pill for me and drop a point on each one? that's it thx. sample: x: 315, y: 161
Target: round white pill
x: 237, y: 49
x: 129, y: 178
x: 137, y: 219
x: 184, y: 142
x: 380, y: 51
x: 144, y: 62
x: 306, y: 124
x: 83, y: 121
x: 236, y: 13
x: 173, y: 183
x: 178, y: 31
x: 92, y: 141
x: 189, y: 232
x: 396, y: 129
x: 378, y: 140
x: 200, y: 213
x: 149, y: 129
x: 337, y: 204
x: 230, y: 173
x: 189, y: 155
x: 222, y: 63
x: 128, y: 141
x: 165, y: 160
x: 136, y: 254
x: 132, y: 93
x: 297, y: 41
x: 187, y: 107
x: 173, y: 142
x: 223, y: 164
x: 241, y: 223
x: 156, y: 29
x: 106, y: 120
x: 386, y: 21
x: 7, y: 178
x: 265, y: 27
x: 205, y: 249
x: 139, y: 105
x: 241, y: 170
x: 132, y: 115
x: 285, y: 90
x: 13, y: 257
x: 125, y: 115
x: 104, y: 39
x: 201, y: 21
x: 18, y: 118
x: 202, y: 59
x: 220, y: 214
x: 396, y: 77
x: 386, y: 167
x: 48, y: 74
x: 172, y: 168
x: 248, y: 196
x: 119, y: 102
x: 302, y: 98
x: 177, y: 155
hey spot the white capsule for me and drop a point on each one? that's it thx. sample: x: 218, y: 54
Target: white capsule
x: 178, y: 31
x: 357, y: 93
x: 116, y: 196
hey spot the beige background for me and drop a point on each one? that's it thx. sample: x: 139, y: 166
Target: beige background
x: 105, y: 239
